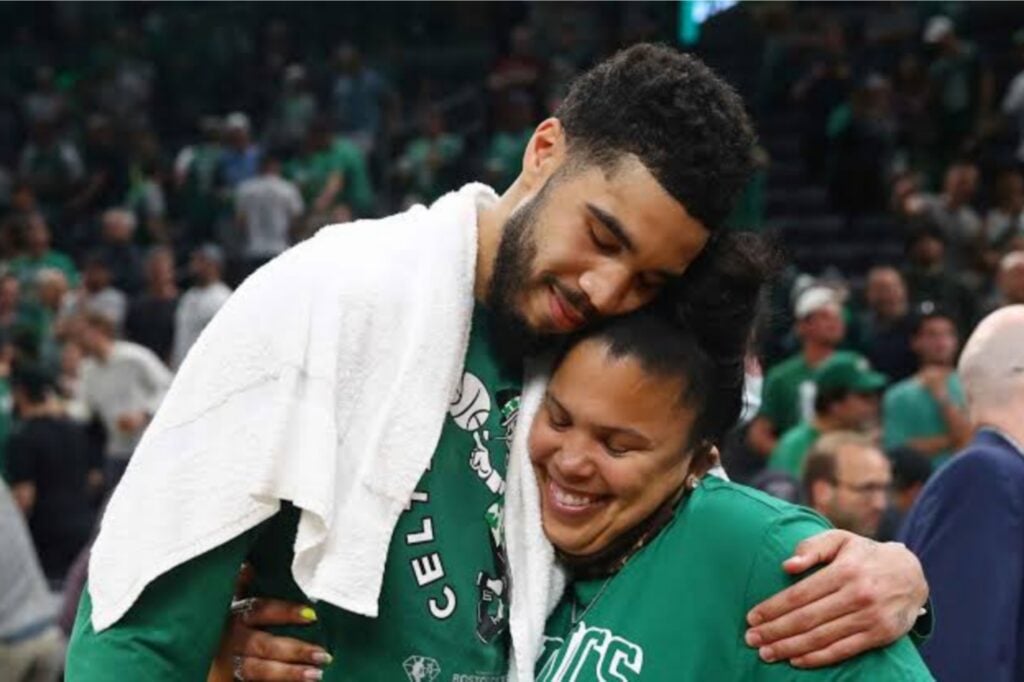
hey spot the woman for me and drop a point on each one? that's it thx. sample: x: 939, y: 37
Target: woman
x: 664, y: 561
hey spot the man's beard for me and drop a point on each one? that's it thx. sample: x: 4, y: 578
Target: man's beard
x: 512, y: 335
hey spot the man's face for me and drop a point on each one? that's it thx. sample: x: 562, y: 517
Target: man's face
x: 606, y: 459
x: 857, y: 499
x: 936, y: 342
x: 824, y: 326
x: 590, y: 244
x: 961, y: 182
x: 9, y: 291
x: 857, y: 412
x: 886, y: 293
x: 928, y: 251
x: 1011, y: 283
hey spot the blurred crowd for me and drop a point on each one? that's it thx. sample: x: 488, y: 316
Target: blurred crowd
x: 143, y: 175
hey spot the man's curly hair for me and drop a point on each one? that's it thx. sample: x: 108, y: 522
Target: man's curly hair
x: 685, y: 124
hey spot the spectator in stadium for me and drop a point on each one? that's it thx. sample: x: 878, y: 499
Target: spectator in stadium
x: 52, y: 167
x: 519, y: 68
x: 952, y: 213
x: 293, y: 111
x: 15, y: 316
x: 884, y: 326
x: 98, y: 293
x: 927, y: 411
x: 960, y: 85
x: 39, y: 255
x: 6, y: 399
x: 910, y: 472
x: 847, y: 479
x: 845, y: 399
x: 930, y: 280
x: 123, y: 384
x: 331, y: 174
x: 201, y: 301
x: 151, y: 313
x: 1004, y: 222
x: 107, y: 180
x: 240, y: 158
x: 361, y: 99
x: 504, y: 155
x: 31, y: 645
x: 966, y: 524
x: 1009, y: 282
x: 69, y: 379
x: 1013, y: 100
x: 788, y: 393
x: 267, y: 209
x: 54, y: 476
x: 195, y: 181
x: 117, y: 243
x: 427, y: 165
x: 51, y: 301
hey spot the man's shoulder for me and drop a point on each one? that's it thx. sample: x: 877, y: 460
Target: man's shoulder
x: 791, y: 366
x: 902, y: 391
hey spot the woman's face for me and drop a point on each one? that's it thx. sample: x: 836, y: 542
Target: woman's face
x: 608, y: 447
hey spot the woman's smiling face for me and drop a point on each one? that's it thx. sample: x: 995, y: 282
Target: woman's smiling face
x: 609, y: 446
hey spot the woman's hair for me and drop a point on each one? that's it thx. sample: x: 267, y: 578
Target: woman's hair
x: 700, y: 331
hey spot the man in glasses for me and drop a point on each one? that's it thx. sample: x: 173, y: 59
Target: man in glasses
x: 847, y: 480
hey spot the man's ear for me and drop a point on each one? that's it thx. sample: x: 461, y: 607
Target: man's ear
x: 821, y: 495
x: 544, y: 154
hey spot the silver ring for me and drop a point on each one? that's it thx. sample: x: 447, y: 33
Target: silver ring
x: 236, y: 668
x: 243, y: 607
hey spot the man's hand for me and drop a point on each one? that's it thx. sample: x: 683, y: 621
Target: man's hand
x: 868, y: 596
x: 247, y: 653
x: 132, y: 422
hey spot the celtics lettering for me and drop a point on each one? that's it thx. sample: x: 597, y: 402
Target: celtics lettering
x: 591, y: 653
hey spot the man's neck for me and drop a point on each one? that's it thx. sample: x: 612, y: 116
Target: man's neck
x: 1006, y: 421
x: 163, y: 290
x: 816, y: 353
x: 104, y: 352
x: 490, y: 221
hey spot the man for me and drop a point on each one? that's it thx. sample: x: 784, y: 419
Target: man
x: 151, y: 314
x: 31, y: 645
x: 266, y: 208
x: 601, y: 218
x: 951, y: 212
x: 926, y: 412
x: 929, y: 280
x: 1009, y: 281
x: 118, y: 245
x: 788, y: 393
x: 53, y: 474
x: 202, y: 300
x: 38, y: 255
x: 884, y: 325
x: 847, y: 480
x: 966, y: 525
x: 846, y: 399
x: 910, y: 472
x: 123, y: 384
x: 98, y: 293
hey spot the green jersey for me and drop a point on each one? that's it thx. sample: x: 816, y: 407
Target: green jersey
x: 26, y: 268
x: 677, y: 610
x: 791, y: 450
x: 311, y: 172
x: 909, y: 411
x: 788, y: 394
x: 444, y: 599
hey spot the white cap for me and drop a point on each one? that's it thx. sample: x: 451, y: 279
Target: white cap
x: 236, y: 120
x: 814, y: 299
x: 937, y: 28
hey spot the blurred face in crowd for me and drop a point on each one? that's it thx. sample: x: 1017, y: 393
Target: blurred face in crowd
x: 587, y: 243
x: 160, y: 268
x: 927, y: 251
x: 886, y: 293
x: 9, y: 292
x: 37, y: 236
x: 96, y: 277
x: 824, y: 327
x: 204, y: 270
x: 857, y: 498
x: 93, y: 338
x: 1010, y: 192
x: 856, y: 412
x: 70, y: 358
x: 936, y: 342
x: 1011, y: 277
x: 52, y: 288
x: 961, y: 183
x: 118, y: 227
x: 606, y: 460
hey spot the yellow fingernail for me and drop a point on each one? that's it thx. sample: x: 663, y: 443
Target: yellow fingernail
x: 308, y: 614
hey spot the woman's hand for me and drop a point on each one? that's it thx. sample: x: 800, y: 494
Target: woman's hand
x: 247, y: 653
x: 868, y: 595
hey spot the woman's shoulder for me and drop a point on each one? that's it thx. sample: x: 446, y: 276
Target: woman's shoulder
x: 753, y: 510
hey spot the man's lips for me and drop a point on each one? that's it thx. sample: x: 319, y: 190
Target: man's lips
x: 564, y: 315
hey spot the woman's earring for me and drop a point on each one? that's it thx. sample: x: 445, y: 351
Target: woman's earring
x: 692, y: 482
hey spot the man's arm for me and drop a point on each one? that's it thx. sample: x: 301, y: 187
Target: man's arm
x: 867, y: 595
x: 171, y: 632
x: 761, y: 436
x: 966, y: 528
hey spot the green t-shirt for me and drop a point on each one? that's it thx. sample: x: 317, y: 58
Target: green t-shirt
x: 311, y: 172
x: 25, y: 268
x: 677, y: 611
x: 444, y: 599
x: 909, y: 411
x: 788, y: 394
x: 791, y: 450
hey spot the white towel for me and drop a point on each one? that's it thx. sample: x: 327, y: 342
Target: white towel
x: 325, y: 380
